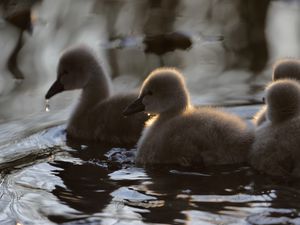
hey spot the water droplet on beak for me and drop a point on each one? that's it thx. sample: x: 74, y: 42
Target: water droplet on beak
x: 47, y: 105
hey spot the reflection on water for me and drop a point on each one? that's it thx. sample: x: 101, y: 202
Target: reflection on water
x: 91, y: 184
x: 46, y: 179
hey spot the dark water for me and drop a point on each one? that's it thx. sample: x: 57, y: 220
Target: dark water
x: 46, y: 179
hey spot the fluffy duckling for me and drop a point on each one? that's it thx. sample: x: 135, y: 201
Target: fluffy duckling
x: 98, y: 115
x: 286, y: 68
x: 180, y: 133
x: 275, y: 150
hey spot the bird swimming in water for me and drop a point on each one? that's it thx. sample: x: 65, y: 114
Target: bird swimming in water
x: 182, y: 134
x: 275, y: 150
x: 285, y: 68
x: 98, y: 114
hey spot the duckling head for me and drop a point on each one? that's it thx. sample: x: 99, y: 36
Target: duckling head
x: 286, y: 68
x: 163, y: 91
x: 283, y: 100
x: 75, y: 68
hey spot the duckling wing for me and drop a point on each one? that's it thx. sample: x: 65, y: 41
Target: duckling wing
x: 167, y: 143
x: 111, y: 126
x: 221, y: 138
x: 201, y: 137
x: 275, y: 150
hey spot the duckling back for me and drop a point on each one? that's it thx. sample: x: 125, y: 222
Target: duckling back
x: 203, y: 137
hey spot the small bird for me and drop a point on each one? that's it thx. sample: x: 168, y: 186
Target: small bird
x: 181, y: 134
x: 98, y: 115
x: 275, y: 150
x: 285, y: 68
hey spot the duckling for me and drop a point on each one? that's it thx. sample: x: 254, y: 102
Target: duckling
x: 98, y: 115
x: 275, y: 150
x: 181, y: 134
x: 285, y: 68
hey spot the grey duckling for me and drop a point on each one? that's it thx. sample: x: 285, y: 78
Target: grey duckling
x: 275, y: 150
x: 285, y: 68
x: 98, y: 114
x: 182, y: 134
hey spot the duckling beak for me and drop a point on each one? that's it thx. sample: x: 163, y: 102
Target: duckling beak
x: 56, y: 88
x: 135, y: 107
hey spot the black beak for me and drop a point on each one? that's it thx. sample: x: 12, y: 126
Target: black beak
x: 135, y: 107
x: 56, y: 88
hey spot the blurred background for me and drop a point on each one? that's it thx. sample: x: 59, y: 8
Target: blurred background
x: 225, y: 48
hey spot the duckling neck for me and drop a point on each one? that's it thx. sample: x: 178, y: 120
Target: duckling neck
x: 172, y: 113
x: 277, y: 116
x: 97, y: 89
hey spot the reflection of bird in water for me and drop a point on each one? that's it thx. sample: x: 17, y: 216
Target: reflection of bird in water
x: 87, y: 189
x: 181, y: 197
x: 17, y: 13
x: 88, y: 186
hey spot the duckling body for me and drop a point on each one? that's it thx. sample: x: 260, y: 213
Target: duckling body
x: 104, y: 122
x: 283, y: 69
x: 275, y: 150
x: 180, y: 133
x: 204, y: 137
x: 98, y: 114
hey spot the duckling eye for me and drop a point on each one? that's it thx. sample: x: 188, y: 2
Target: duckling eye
x: 150, y: 93
x: 264, y: 100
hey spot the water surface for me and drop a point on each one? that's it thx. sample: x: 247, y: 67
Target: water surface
x: 46, y: 179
